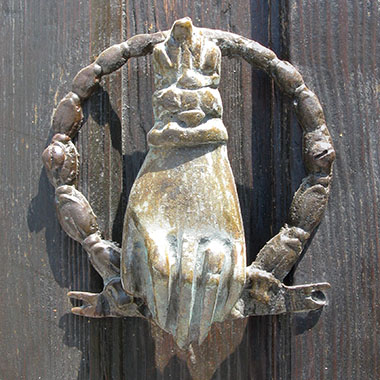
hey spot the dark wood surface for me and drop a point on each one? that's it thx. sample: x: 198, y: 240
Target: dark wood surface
x: 334, y: 45
x: 340, y: 61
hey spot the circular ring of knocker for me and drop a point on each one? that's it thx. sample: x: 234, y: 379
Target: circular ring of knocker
x: 263, y: 291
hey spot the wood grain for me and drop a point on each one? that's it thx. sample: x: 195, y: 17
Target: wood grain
x: 334, y: 45
x: 40, y: 43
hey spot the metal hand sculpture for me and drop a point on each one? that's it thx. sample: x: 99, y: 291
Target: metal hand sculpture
x: 183, y: 260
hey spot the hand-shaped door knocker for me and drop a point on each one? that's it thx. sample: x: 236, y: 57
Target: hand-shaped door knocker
x: 183, y: 262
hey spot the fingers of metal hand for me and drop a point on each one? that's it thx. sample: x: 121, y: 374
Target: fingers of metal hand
x: 75, y: 213
x: 61, y: 160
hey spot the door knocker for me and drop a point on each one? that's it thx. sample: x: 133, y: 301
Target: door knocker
x: 182, y: 263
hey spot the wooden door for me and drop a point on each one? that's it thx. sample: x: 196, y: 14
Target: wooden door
x: 335, y: 46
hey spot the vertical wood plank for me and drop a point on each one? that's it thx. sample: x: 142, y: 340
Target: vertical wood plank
x: 40, y: 42
x: 335, y: 46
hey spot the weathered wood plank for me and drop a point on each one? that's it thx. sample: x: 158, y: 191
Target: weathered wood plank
x: 40, y: 46
x: 335, y: 46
